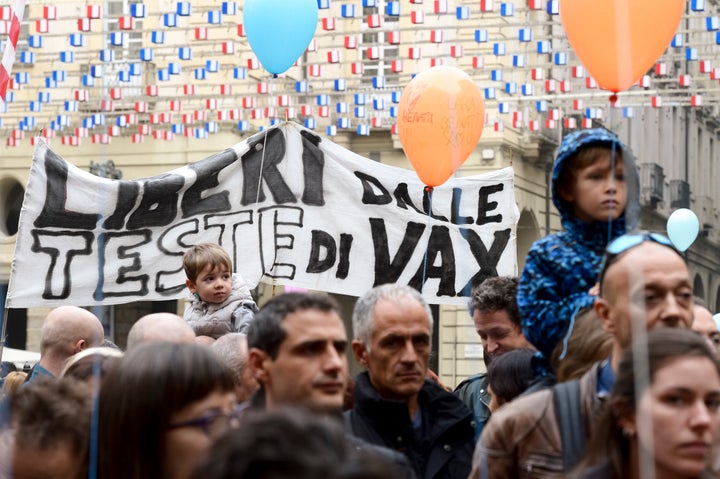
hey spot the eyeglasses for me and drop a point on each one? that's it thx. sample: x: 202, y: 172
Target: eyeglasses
x: 628, y: 241
x: 213, y: 424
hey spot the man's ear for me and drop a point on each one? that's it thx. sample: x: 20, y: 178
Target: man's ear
x: 360, y: 353
x: 602, y: 310
x: 80, y: 344
x: 191, y: 285
x: 258, y: 362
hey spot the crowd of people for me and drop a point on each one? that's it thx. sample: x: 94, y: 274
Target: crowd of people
x: 600, y: 364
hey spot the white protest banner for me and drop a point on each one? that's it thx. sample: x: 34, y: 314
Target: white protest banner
x: 289, y: 206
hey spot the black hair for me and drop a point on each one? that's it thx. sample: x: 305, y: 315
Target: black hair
x: 266, y: 332
x: 497, y: 294
x: 510, y: 374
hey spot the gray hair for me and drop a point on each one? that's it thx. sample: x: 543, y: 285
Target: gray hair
x: 229, y: 350
x: 363, y: 314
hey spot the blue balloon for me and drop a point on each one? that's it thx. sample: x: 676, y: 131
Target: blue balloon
x: 279, y: 31
x: 683, y: 227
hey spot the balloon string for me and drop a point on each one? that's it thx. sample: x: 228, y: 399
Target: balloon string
x: 262, y: 163
x: 611, y: 122
x: 612, y: 188
x: 262, y: 158
x: 429, y: 192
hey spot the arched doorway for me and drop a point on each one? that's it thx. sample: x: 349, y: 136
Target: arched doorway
x: 698, y: 287
x: 527, y: 233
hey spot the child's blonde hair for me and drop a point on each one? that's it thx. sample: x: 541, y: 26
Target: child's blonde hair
x: 199, y: 256
x: 13, y: 381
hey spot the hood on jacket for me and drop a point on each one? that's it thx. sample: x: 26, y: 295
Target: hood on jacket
x: 571, y: 144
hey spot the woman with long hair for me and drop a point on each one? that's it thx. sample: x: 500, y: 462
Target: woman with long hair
x: 661, y: 419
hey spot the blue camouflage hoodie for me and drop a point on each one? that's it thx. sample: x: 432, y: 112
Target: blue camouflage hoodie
x: 561, y: 268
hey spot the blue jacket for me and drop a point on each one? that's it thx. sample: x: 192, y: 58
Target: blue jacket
x: 561, y: 268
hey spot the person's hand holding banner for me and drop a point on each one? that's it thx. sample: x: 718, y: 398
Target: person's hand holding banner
x: 440, y: 120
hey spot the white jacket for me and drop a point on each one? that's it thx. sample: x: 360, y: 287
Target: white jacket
x: 215, y: 319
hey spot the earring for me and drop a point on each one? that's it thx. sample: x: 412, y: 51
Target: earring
x: 628, y: 433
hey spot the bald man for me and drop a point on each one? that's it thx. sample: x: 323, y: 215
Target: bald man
x: 160, y: 327
x: 67, y: 330
x: 232, y: 349
x: 644, y: 284
x: 704, y: 324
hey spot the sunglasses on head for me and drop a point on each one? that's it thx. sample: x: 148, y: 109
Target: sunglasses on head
x: 628, y: 241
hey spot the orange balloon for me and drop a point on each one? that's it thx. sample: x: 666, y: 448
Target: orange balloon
x: 440, y: 120
x: 619, y: 40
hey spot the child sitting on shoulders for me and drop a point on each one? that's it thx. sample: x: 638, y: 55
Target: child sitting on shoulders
x: 595, y: 190
x: 221, y: 301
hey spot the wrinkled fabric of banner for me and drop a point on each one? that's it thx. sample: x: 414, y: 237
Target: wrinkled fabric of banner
x: 289, y: 206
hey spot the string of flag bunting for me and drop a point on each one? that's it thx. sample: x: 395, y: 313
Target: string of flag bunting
x: 185, y: 68
x: 12, y: 28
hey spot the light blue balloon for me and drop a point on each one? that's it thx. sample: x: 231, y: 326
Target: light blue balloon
x: 716, y: 318
x: 279, y: 31
x: 683, y: 227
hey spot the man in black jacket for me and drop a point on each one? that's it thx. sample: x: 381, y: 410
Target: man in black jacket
x: 395, y: 406
x: 297, y: 346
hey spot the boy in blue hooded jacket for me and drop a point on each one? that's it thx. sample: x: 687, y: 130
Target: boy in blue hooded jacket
x: 595, y: 189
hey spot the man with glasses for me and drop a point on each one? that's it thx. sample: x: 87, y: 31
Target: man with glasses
x: 644, y: 284
x: 704, y: 324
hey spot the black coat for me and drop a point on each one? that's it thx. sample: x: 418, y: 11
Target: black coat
x: 444, y: 450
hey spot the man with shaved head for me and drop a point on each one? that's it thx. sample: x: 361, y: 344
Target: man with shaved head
x: 67, y: 330
x: 160, y: 327
x: 644, y: 284
x: 232, y: 349
x: 704, y: 324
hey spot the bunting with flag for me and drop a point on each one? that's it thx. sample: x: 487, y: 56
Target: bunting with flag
x: 82, y: 66
x: 12, y: 29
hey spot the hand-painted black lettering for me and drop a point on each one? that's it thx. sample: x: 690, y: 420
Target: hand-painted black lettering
x: 344, y: 256
x: 313, y: 164
x: 172, y: 244
x: 455, y: 209
x: 484, y: 206
x: 487, y: 260
x: 273, y: 223
x: 370, y: 197
x: 265, y: 153
x: 427, y: 204
x: 321, y: 242
x: 439, y: 243
x: 387, y: 271
x: 118, y: 246
x: 226, y: 225
x: 159, y: 203
x: 54, y: 213
x: 127, y: 196
x: 206, y: 171
x: 61, y: 247
x: 402, y: 197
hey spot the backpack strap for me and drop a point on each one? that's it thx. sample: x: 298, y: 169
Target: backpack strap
x: 568, y: 410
